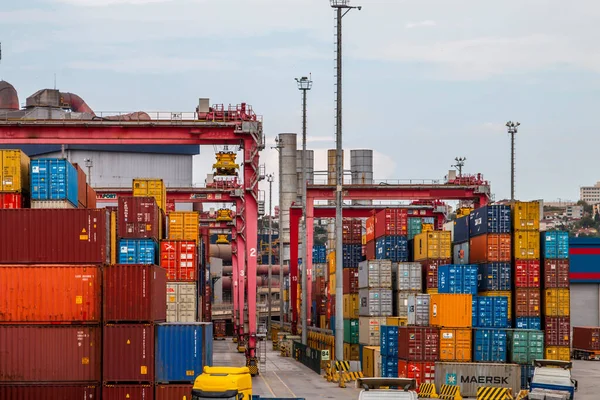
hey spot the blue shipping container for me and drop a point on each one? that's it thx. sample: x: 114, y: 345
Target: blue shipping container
x: 526, y: 375
x: 319, y: 254
x: 180, y: 350
x: 489, y: 345
x: 494, y: 276
x: 54, y: 179
x: 388, y: 337
x: 461, y: 229
x: 584, y: 260
x: 555, y: 244
x: 393, y: 248
x: 137, y: 251
x: 490, y: 312
x: 389, y: 367
x: 352, y: 255
x: 490, y: 219
x: 528, y: 323
x: 457, y: 279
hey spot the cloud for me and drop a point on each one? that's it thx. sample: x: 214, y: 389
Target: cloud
x: 287, y: 53
x: 154, y: 65
x: 319, y: 139
x: 420, y: 24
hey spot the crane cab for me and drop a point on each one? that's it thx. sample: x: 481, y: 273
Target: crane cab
x: 224, y: 383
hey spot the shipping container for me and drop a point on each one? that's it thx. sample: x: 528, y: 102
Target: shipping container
x: 407, y: 276
x: 501, y: 293
x: 375, y: 302
x: 350, y: 280
x: 526, y: 376
x: 375, y: 274
x: 351, y: 352
x: 556, y: 273
x: 455, y: 344
x: 460, y: 253
x: 457, y: 279
x: 400, y: 306
x: 182, y: 302
x: 351, y: 331
x: 128, y: 392
x: 351, y: 231
x: 494, y: 276
x: 54, y: 236
x: 368, y: 330
x: 528, y: 323
x: 128, y: 353
x: 432, y: 245
x: 13, y: 200
x: 527, y: 245
x: 152, y: 188
x: 389, y: 341
x: 53, y: 353
x: 183, y: 225
x: 527, y: 302
x: 58, y: 391
x: 470, y: 376
x: 81, y: 187
x: 586, y: 338
x: 527, y: 273
x: 389, y: 367
x: 139, y: 218
x: 525, y: 346
x: 461, y: 229
x: 555, y: 244
x: 52, y: 204
x: 54, y: 179
x: 371, y: 361
x: 370, y: 251
x: 490, y: 248
x: 490, y: 312
x: 391, y: 222
x: 558, y: 353
x: 137, y: 251
x: 351, y: 306
x: 415, y: 226
x: 173, y: 392
x: 557, y: 302
x: 134, y: 293
x: 396, y: 321
x: 394, y: 248
x: 91, y: 197
x: 370, y: 229
x: 490, y: 219
x: 526, y: 215
x: 421, y: 372
x: 14, y: 171
x: 180, y: 259
x: 489, y: 345
x: 38, y: 294
x: 451, y: 310
x: 319, y: 254
x: 430, y: 271
x: 418, y: 343
x: 351, y: 255
x: 418, y: 309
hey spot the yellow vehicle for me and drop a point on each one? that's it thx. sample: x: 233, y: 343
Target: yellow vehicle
x: 225, y: 383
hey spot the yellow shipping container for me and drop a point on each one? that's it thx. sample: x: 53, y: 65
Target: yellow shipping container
x: 431, y: 291
x: 371, y: 363
x: 451, y: 310
x: 351, y: 352
x: 331, y: 262
x: 500, y: 293
x: 151, y: 188
x: 322, y: 321
x: 455, y: 344
x: 561, y: 353
x: 14, y: 171
x: 351, y: 306
x: 557, y: 302
x: 463, y: 211
x: 396, y: 321
x: 432, y: 244
x: 286, y: 295
x: 527, y: 245
x: 526, y: 215
x: 113, y: 237
x: 364, y: 239
x: 332, y: 283
x: 183, y: 225
x: 426, y: 227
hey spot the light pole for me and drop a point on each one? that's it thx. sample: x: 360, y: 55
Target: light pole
x: 89, y: 164
x: 460, y: 162
x: 278, y: 146
x: 270, y: 178
x: 512, y: 130
x: 304, y: 85
x: 342, y: 7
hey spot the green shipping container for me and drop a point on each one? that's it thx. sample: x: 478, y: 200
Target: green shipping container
x: 351, y: 331
x: 414, y: 227
x: 525, y: 345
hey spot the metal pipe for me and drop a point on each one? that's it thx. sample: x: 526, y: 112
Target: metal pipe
x: 280, y: 224
x: 270, y: 179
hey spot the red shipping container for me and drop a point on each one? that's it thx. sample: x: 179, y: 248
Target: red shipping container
x: 81, y: 187
x: 139, y: 218
x: 12, y: 200
x: 556, y: 274
x: 527, y: 302
x: 91, y: 197
x: 418, y: 343
x: 351, y: 231
x: 557, y: 331
x: 53, y: 353
x: 128, y: 353
x: 350, y: 280
x: 170, y: 206
x: 48, y: 236
x: 65, y: 391
x: 330, y: 308
x: 391, y: 222
x: 493, y: 247
x: 207, y: 306
x: 50, y: 294
x: 422, y: 372
x: 173, y: 392
x: 527, y: 273
x: 134, y: 293
x: 430, y: 271
x: 370, y: 250
x: 586, y: 338
x: 370, y: 227
x: 180, y: 259
x: 128, y: 392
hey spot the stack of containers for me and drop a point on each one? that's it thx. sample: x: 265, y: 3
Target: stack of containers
x: 406, y: 281
x: 50, y: 297
x: 330, y: 308
x: 14, y: 179
x: 351, y: 242
x: 148, y: 187
x: 389, y: 351
x: 351, y: 315
x: 139, y: 229
x: 556, y: 304
x: 54, y: 184
x: 391, y: 229
x: 432, y: 249
x: 86, y: 195
x: 319, y: 279
x: 414, y: 226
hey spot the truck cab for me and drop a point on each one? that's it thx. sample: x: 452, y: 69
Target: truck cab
x: 224, y: 383
x: 552, y: 377
x: 387, y: 389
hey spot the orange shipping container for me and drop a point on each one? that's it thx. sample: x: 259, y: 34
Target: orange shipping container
x: 493, y: 247
x: 455, y: 344
x: 370, y: 226
x: 42, y: 294
x: 451, y: 310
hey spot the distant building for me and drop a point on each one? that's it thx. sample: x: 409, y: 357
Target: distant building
x: 590, y: 194
x: 575, y: 212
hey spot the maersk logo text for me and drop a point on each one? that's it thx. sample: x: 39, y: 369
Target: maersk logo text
x: 484, y: 380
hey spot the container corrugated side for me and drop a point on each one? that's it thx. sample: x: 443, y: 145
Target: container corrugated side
x: 586, y: 338
x: 173, y: 392
x: 418, y: 309
x: 81, y: 187
x: 36, y: 294
x: 527, y: 302
x: 394, y: 248
x: 179, y: 352
x: 501, y: 293
x: 494, y: 276
x: 57, y: 236
x: 561, y: 353
x: 525, y: 346
x: 182, y: 302
x: 461, y: 229
x: 351, y: 331
x: 454, y: 278
x: 432, y: 245
x: 13, y: 200
x: 455, y: 344
x: 56, y: 353
x: 451, y: 310
x: 470, y: 376
x: 421, y: 372
x: 407, y: 276
x: 526, y: 245
x: 490, y: 312
x: 556, y: 273
x: 128, y: 353
x: 128, y: 392
x: 137, y: 251
x: 139, y: 218
x: 54, y: 179
x: 490, y: 248
x: 62, y: 391
x: 526, y: 215
x: 183, y: 225
x: 527, y: 273
x: 490, y: 219
x: 418, y: 343
x: 368, y: 330
x: 489, y: 345
x: 555, y: 244
x: 14, y: 171
x: 180, y: 259
x: 153, y: 188
x: 557, y: 302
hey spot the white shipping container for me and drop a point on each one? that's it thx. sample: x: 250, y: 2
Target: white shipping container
x: 182, y: 303
x: 52, y: 204
x: 408, y: 276
x: 375, y: 302
x: 368, y: 330
x: 470, y: 376
x: 377, y: 362
x: 375, y: 274
x: 449, y: 226
x: 401, y: 304
x: 461, y: 253
x: 418, y: 309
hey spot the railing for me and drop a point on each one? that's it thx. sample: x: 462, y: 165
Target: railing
x: 384, y: 182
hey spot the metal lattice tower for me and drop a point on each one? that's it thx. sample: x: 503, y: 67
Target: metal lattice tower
x: 512, y: 130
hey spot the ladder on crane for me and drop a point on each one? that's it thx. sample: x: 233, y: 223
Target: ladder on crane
x: 261, y: 337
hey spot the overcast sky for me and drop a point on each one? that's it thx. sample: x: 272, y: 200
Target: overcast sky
x: 424, y: 81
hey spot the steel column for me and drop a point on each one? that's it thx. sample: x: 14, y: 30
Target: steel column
x: 309, y: 239
x: 294, y: 242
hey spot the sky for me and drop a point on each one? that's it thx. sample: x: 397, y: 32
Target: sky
x: 424, y: 81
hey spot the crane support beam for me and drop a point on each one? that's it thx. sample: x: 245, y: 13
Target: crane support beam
x: 176, y: 195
